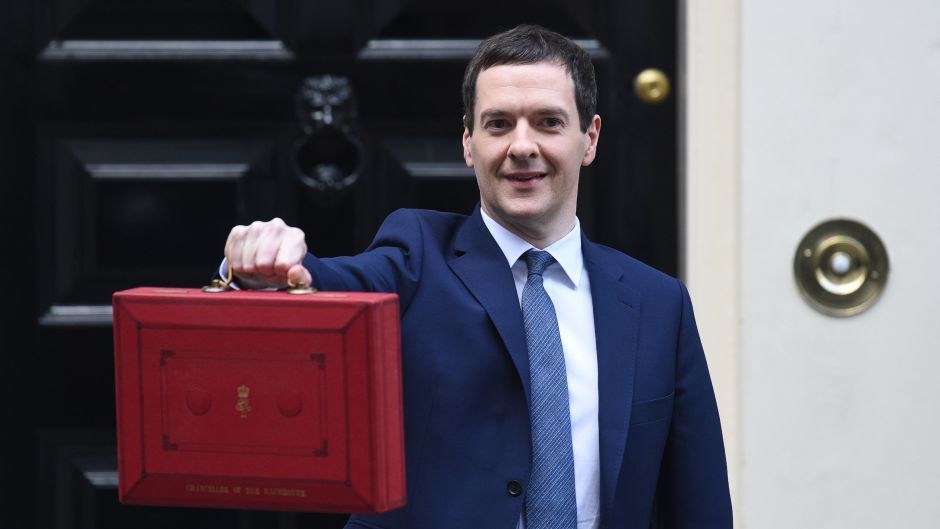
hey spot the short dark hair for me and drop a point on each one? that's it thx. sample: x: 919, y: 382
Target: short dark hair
x: 530, y: 44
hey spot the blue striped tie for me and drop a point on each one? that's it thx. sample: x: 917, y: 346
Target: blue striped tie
x: 550, y: 500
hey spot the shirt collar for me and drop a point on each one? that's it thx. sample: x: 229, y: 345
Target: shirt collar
x: 566, y: 251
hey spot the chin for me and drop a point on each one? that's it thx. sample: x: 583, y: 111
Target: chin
x: 523, y: 214
x: 520, y: 206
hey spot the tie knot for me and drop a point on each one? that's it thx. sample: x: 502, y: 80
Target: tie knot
x: 538, y: 261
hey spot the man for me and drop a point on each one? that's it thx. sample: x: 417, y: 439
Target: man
x: 549, y: 381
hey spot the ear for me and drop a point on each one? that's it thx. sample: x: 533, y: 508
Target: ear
x: 467, y: 157
x: 591, y: 136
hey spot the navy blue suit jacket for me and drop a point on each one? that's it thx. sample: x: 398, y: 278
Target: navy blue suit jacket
x: 466, y: 381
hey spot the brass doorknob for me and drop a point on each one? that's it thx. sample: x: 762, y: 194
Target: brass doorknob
x: 841, y: 267
x: 652, y: 86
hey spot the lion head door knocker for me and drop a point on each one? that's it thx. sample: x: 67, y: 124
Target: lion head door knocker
x: 329, y: 157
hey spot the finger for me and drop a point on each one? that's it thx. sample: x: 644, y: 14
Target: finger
x: 299, y: 276
x: 250, y: 248
x: 292, y: 250
x: 266, y: 254
x: 273, y: 237
x: 233, y: 248
x: 264, y: 281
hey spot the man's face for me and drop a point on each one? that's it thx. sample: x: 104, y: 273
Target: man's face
x: 527, y: 148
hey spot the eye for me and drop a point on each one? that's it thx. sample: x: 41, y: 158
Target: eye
x: 553, y: 123
x: 497, y: 124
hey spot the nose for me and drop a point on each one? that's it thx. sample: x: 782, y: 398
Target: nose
x: 523, y: 144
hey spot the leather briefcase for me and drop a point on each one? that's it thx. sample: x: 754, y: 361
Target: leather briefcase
x: 259, y: 400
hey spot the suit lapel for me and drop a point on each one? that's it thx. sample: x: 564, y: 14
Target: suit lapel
x: 616, y: 310
x: 482, y: 267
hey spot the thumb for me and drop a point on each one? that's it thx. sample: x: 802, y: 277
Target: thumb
x: 299, y: 276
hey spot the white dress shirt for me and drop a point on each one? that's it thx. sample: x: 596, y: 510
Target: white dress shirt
x: 567, y: 284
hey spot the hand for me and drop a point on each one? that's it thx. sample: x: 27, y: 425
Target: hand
x: 267, y: 254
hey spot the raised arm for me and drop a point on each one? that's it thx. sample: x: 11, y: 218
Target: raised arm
x: 273, y: 254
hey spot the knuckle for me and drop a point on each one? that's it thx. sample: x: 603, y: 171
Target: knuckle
x: 274, y: 227
x: 297, y: 236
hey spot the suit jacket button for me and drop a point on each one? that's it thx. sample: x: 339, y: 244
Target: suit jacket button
x: 514, y: 488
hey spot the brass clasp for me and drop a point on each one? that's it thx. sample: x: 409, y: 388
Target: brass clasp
x: 299, y: 289
x: 219, y: 285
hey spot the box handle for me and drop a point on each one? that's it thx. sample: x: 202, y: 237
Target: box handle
x: 219, y: 285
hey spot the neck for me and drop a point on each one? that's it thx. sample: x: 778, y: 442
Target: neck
x: 540, y: 234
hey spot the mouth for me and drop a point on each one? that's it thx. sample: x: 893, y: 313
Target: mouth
x: 524, y: 177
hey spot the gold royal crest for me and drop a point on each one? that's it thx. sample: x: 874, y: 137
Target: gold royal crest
x: 243, y: 405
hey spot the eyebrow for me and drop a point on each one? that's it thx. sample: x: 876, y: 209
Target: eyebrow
x: 552, y: 111
x: 490, y: 114
x: 542, y: 111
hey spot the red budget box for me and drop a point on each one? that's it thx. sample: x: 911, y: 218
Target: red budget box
x: 259, y: 400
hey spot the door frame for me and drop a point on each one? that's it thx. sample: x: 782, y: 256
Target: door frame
x: 709, y: 206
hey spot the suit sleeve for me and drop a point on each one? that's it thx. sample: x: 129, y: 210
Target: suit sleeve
x: 693, y: 486
x: 392, y: 263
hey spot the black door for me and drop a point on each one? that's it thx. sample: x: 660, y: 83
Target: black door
x: 135, y: 133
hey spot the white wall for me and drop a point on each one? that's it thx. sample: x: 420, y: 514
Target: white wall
x: 838, y: 420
